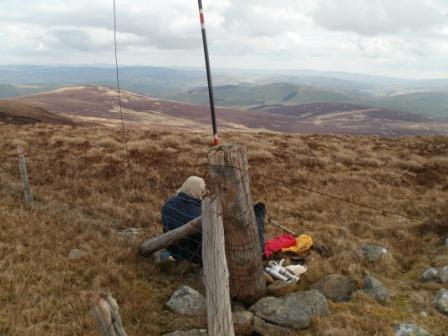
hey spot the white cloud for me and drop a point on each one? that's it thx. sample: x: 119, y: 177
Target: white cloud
x: 376, y: 17
x: 352, y: 35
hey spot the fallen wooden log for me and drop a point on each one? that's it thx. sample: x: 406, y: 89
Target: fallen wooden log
x: 166, y: 239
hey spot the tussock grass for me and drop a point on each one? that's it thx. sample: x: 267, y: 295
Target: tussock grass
x: 85, y: 193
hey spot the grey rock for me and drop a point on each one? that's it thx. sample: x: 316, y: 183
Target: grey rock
x: 373, y: 252
x: 243, y: 322
x: 187, y: 301
x: 76, y: 254
x: 376, y: 289
x: 194, y: 332
x: 294, y: 310
x: 410, y: 330
x: 446, y: 242
x: 336, y: 287
x: 444, y: 275
x: 441, y: 301
x: 431, y: 274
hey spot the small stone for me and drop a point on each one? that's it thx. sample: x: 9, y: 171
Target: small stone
x: 373, y: 252
x: 375, y: 288
x: 441, y: 301
x: 336, y: 287
x: 243, y: 322
x: 423, y: 314
x: 187, y: 301
x: 431, y: 274
x: 446, y: 242
x: 194, y: 332
x: 444, y: 275
x: 130, y: 233
x: 410, y: 330
x: 76, y: 254
x: 295, y: 310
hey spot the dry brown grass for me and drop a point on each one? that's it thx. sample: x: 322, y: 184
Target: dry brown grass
x: 85, y: 194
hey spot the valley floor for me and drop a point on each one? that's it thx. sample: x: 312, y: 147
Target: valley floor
x: 85, y: 194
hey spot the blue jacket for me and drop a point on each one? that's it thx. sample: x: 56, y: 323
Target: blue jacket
x: 176, y: 212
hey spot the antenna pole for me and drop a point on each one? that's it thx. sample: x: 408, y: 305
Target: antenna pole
x: 209, y: 75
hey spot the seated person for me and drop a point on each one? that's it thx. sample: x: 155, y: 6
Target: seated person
x: 186, y: 206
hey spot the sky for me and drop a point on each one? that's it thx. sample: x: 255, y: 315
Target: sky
x: 400, y: 38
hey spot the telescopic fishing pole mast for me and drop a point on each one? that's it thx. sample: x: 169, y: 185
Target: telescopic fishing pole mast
x: 209, y: 75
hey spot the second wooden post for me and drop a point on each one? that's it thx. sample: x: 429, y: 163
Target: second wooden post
x: 228, y: 165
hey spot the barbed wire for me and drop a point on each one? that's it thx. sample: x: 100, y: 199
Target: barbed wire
x: 327, y: 195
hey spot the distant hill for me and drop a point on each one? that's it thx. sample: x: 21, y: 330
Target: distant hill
x: 241, y: 88
x: 8, y: 91
x: 19, y: 113
x: 432, y: 103
x: 97, y: 104
x: 334, y: 110
x: 427, y: 103
x: 250, y: 96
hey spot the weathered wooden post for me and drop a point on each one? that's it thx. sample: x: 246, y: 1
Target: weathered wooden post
x: 216, y: 274
x: 24, y: 175
x: 228, y: 164
x: 107, y: 316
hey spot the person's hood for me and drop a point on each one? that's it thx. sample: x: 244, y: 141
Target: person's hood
x: 193, y: 186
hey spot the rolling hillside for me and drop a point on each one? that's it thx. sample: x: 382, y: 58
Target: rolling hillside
x: 8, y: 91
x: 427, y: 103
x: 19, y: 113
x: 96, y: 104
x: 249, y: 96
x: 241, y: 88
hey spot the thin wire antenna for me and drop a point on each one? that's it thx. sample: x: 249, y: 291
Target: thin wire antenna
x: 118, y: 87
x: 209, y: 74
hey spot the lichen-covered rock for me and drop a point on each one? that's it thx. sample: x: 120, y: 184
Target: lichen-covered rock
x: 376, y: 289
x: 431, y: 274
x: 444, y: 275
x: 441, y: 301
x: 336, y: 287
x: 410, y: 330
x: 187, y: 301
x: 373, y: 252
x: 294, y: 310
x: 194, y: 332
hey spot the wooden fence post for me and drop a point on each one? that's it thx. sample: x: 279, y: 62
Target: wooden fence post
x: 216, y: 274
x: 107, y: 316
x: 228, y: 164
x: 24, y: 175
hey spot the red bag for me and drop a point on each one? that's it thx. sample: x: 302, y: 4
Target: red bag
x: 276, y: 244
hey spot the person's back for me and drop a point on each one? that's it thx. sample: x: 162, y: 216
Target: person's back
x: 186, y: 206
x: 178, y: 211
